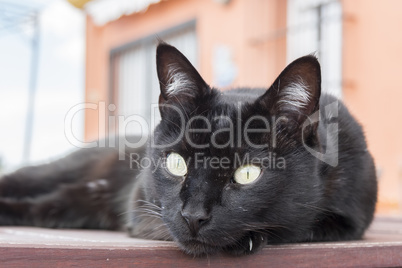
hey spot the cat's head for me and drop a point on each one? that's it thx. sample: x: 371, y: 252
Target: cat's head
x: 234, y: 171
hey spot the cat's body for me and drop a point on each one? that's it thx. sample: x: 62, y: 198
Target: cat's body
x: 300, y: 196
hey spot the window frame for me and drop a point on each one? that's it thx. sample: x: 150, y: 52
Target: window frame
x: 314, y: 23
x: 147, y: 41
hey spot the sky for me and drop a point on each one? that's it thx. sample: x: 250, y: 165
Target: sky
x: 60, y: 84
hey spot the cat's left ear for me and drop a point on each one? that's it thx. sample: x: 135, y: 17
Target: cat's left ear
x: 178, y: 79
x: 296, y: 91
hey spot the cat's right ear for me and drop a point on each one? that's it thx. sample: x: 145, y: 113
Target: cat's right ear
x: 179, y: 81
x: 296, y: 92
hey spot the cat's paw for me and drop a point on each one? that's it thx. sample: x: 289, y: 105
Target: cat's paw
x: 249, y: 244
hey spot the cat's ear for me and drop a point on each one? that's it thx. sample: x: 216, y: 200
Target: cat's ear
x: 179, y: 81
x: 296, y: 91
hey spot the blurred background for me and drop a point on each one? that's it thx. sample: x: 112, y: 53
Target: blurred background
x: 56, y: 55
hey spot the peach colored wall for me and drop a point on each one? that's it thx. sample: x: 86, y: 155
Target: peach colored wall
x: 373, y: 87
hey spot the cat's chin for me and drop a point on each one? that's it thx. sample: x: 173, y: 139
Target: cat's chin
x: 198, y: 249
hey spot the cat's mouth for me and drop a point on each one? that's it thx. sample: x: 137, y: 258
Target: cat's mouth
x: 201, y: 246
x: 248, y: 243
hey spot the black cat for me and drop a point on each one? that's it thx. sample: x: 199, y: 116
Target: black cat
x: 227, y: 171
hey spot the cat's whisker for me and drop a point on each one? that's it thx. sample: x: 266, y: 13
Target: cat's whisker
x: 145, y: 201
x: 150, y: 215
x: 147, y: 212
x: 159, y: 232
x: 150, y: 207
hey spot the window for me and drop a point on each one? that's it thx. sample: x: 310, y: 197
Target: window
x: 315, y: 26
x: 134, y: 81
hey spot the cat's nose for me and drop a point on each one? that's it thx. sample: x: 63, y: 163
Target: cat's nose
x: 195, y: 219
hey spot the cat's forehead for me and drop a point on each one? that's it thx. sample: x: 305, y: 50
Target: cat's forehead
x: 240, y: 95
x: 231, y: 103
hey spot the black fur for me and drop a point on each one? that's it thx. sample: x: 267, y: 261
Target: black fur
x: 302, y: 200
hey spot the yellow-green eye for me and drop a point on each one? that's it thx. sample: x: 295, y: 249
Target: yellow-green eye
x: 176, y: 165
x: 247, y: 174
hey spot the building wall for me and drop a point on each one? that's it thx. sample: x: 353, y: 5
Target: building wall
x: 255, y: 31
x: 373, y: 87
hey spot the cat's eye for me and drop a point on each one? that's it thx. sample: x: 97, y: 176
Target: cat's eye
x: 247, y: 174
x: 176, y: 165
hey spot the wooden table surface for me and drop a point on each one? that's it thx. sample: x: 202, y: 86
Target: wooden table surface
x: 37, y: 247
